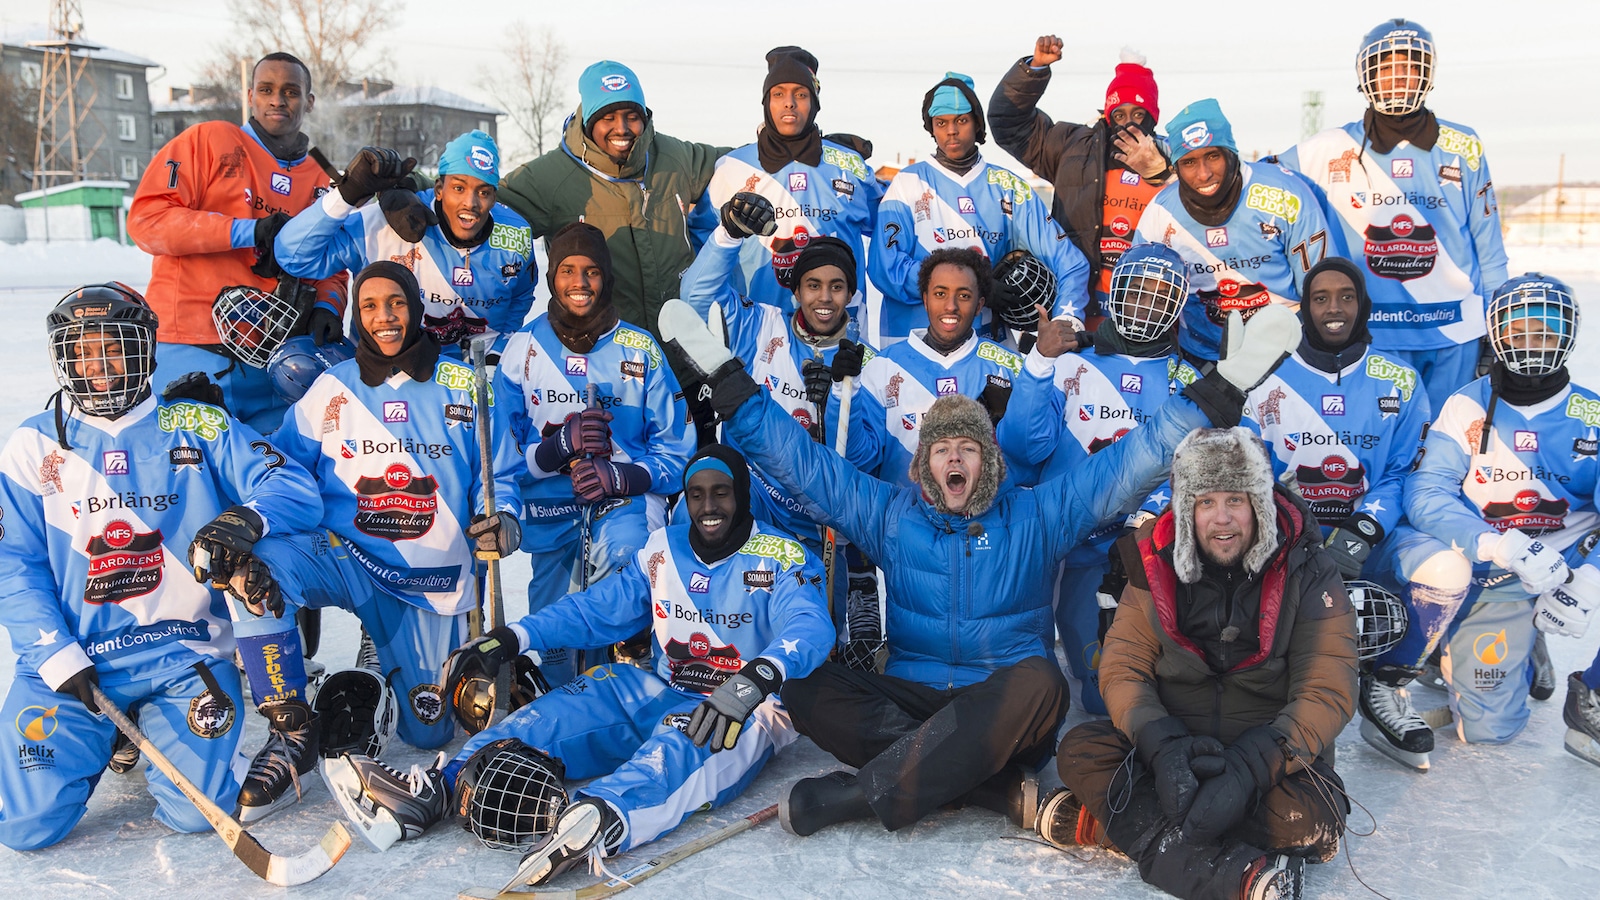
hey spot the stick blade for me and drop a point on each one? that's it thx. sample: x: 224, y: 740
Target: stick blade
x: 288, y: 871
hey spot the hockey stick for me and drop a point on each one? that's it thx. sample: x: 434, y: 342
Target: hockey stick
x: 585, y: 544
x: 830, y: 538
x: 494, y: 604
x: 284, y: 871
x: 632, y: 876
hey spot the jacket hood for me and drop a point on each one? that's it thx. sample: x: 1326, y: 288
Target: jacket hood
x: 576, y: 142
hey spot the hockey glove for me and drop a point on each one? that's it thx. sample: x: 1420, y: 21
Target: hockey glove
x: 253, y: 584
x: 583, y: 433
x: 995, y: 398
x: 326, y: 326
x: 479, y: 658
x: 747, y: 214
x: 714, y: 373
x: 223, y: 543
x: 1256, y: 348
x: 494, y: 537
x: 194, y: 386
x: 267, y: 228
x: 1537, y: 564
x: 720, y: 718
x: 1565, y: 608
x: 819, y: 383
x: 81, y: 685
x: 596, y: 479
x: 372, y: 171
x: 1252, y: 765
x: 1177, y: 761
x: 407, y: 214
x: 847, y: 360
x: 1351, y: 544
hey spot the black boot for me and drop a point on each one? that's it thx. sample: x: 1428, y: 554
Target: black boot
x: 815, y: 803
x: 290, y: 752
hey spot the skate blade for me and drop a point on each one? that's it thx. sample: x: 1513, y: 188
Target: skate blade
x: 249, y: 814
x: 1582, y: 746
x: 539, y: 867
x: 377, y: 827
x: 1417, y: 762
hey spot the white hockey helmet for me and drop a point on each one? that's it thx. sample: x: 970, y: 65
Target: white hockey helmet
x: 1148, y: 289
x: 1533, y: 324
x: 1394, y: 67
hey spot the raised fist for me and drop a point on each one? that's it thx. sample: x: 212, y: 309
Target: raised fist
x: 748, y: 214
x: 1046, y: 50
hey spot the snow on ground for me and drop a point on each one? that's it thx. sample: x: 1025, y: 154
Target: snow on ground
x: 1488, y: 821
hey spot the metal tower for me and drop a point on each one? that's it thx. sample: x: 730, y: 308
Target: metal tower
x: 1310, y: 113
x: 56, y: 154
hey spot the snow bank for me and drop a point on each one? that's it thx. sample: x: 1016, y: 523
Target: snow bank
x: 67, y: 264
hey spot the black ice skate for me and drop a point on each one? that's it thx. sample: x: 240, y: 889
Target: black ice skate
x: 290, y: 752
x: 589, y: 828
x: 1582, y: 715
x: 1389, y: 722
x: 1544, y: 671
x: 384, y: 804
x: 124, y: 754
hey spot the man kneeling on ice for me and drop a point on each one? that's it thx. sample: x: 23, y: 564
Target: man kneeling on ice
x: 735, y: 608
x: 972, y: 697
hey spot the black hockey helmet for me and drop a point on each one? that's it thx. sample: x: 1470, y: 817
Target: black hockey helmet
x: 509, y: 795
x: 102, y: 345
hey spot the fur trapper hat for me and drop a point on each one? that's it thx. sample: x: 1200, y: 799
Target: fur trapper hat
x: 1221, y: 459
x: 959, y: 416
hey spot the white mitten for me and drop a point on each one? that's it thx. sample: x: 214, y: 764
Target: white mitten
x: 681, y: 325
x: 1256, y: 347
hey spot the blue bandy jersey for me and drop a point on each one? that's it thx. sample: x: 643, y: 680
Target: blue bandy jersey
x: 990, y: 209
x: 1260, y: 255
x: 1537, y: 474
x: 400, y: 473
x: 706, y: 619
x: 94, y: 539
x: 465, y: 292
x: 1347, y: 439
x: 838, y: 197
x: 543, y: 382
x: 900, y: 384
x: 1068, y: 408
x: 1423, y: 224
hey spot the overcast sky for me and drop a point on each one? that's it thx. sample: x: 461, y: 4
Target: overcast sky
x: 1525, y: 75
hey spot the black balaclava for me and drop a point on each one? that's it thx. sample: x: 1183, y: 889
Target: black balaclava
x: 1108, y: 341
x: 580, y: 333
x: 418, y: 353
x: 789, y: 65
x: 965, y: 164
x: 288, y: 149
x: 1319, y: 353
x: 1218, y: 208
x: 823, y: 251
x: 1384, y: 133
x: 739, y: 531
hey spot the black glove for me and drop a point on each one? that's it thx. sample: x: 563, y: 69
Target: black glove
x: 194, y: 386
x: 326, y: 326
x: 1251, y: 767
x: 1177, y: 761
x: 494, y: 537
x: 819, y: 383
x: 252, y: 583
x: 747, y: 213
x: 720, y: 718
x: 407, y: 214
x: 995, y: 397
x: 1351, y: 543
x: 267, y: 228
x: 480, y: 657
x: 223, y: 543
x: 848, y: 359
x: 372, y: 171
x: 80, y: 684
x: 714, y: 373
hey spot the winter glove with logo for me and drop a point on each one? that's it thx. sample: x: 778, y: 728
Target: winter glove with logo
x: 720, y: 718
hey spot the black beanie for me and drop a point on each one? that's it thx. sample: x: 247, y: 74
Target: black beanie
x: 739, y: 530
x: 418, y: 352
x: 1359, y: 334
x: 825, y: 250
x: 581, y: 333
x: 792, y: 65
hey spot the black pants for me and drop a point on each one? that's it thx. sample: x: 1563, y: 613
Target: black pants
x: 918, y: 747
x: 1096, y: 762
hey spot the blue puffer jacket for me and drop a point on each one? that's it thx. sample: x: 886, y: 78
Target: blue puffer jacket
x: 966, y: 596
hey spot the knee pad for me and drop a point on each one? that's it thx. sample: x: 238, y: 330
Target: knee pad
x: 1444, y: 573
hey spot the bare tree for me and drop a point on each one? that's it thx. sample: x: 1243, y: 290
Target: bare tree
x: 529, y: 83
x: 16, y: 137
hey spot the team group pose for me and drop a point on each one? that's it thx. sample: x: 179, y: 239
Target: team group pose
x: 1228, y: 449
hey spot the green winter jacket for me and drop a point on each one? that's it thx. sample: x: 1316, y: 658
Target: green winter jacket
x: 640, y: 206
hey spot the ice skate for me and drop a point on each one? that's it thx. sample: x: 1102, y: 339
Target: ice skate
x: 1582, y: 715
x: 1544, y: 672
x: 290, y: 752
x: 1064, y: 822
x: 588, y: 828
x: 1389, y: 722
x: 124, y: 755
x: 384, y: 804
x: 1275, y: 877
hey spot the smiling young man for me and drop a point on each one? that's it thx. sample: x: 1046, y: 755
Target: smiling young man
x: 734, y: 610
x: 957, y: 199
x: 475, y: 264
x: 1249, y: 232
x: 207, y: 209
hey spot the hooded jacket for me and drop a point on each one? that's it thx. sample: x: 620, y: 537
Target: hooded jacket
x: 1299, y: 677
x: 640, y: 206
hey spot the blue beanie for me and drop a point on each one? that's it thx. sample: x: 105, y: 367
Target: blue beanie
x: 473, y: 153
x: 947, y: 100
x: 608, y: 84
x: 1200, y: 124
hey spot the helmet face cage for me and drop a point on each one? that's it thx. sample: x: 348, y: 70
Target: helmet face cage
x: 515, y: 800
x: 1393, y: 93
x: 1030, y: 279
x: 252, y: 323
x: 1381, y: 619
x: 1533, y: 325
x: 1146, y: 298
x: 103, y: 364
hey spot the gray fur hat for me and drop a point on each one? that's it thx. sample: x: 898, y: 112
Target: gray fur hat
x: 956, y: 415
x: 1221, y: 459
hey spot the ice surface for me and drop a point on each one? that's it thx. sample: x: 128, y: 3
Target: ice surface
x: 1489, y: 821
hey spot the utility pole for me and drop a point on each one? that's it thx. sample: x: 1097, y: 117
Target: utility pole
x: 1310, y: 113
